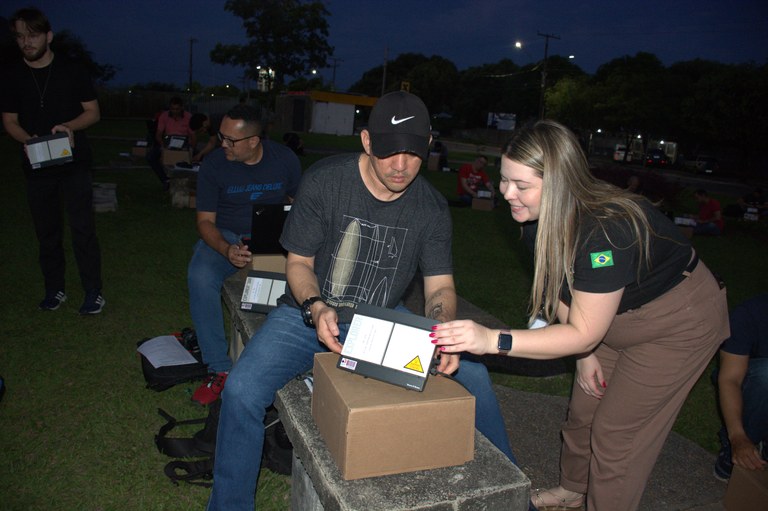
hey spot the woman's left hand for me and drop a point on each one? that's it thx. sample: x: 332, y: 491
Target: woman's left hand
x: 589, y: 376
x: 463, y: 335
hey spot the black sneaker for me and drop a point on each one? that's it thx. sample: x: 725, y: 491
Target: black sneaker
x: 723, y: 465
x: 52, y: 300
x: 93, y: 302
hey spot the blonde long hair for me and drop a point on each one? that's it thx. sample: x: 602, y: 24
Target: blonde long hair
x: 569, y: 193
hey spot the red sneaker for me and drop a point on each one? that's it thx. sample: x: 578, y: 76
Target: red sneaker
x: 211, y: 388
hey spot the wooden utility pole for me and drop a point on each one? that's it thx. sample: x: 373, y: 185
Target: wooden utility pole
x: 547, y: 37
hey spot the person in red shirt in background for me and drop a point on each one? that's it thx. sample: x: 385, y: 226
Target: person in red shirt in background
x: 174, y: 121
x: 710, y: 219
x: 471, y: 177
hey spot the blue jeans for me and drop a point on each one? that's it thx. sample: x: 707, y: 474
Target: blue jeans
x: 282, y: 349
x: 707, y: 229
x: 206, y: 274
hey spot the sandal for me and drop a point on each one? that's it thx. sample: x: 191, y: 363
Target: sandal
x: 549, y: 500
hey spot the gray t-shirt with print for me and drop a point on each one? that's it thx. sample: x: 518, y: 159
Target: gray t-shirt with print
x: 366, y: 250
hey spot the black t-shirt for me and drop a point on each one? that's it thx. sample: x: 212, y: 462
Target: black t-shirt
x: 45, y: 97
x: 608, y: 259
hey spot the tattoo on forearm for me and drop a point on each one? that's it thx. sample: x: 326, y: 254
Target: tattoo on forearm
x: 435, y: 311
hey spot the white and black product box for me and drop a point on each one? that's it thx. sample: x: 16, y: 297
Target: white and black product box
x: 49, y: 150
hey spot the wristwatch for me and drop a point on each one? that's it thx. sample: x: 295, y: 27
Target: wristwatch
x: 505, y: 342
x: 306, y: 313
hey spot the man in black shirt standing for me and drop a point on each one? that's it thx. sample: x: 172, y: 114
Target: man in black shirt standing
x: 45, y: 94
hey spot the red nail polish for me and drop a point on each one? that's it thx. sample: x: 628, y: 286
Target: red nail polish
x: 604, y: 385
x: 442, y: 348
x: 434, y: 327
x: 433, y: 334
x: 434, y: 341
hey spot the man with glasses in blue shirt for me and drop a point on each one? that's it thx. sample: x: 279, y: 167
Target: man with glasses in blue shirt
x: 244, y: 171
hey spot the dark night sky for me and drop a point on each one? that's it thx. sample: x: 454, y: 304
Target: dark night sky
x: 148, y: 40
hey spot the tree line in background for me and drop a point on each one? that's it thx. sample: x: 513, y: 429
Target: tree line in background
x: 704, y: 106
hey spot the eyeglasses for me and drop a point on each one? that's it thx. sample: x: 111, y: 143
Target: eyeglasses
x: 230, y: 142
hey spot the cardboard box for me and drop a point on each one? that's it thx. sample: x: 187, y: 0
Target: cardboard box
x: 184, y: 199
x: 482, y: 204
x: 104, y: 197
x: 747, y: 490
x: 171, y: 157
x: 139, y: 149
x: 373, y: 428
x: 273, y: 262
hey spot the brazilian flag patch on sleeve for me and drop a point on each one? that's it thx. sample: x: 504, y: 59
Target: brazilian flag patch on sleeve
x: 601, y: 259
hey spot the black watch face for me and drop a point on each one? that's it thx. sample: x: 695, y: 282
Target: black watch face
x: 306, y: 314
x: 505, y: 342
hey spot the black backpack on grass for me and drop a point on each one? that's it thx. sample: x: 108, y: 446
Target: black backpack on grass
x: 198, y: 452
x: 202, y: 446
x: 165, y: 377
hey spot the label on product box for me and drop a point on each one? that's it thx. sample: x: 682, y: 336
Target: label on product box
x: 49, y: 150
x: 390, y: 346
x: 262, y: 290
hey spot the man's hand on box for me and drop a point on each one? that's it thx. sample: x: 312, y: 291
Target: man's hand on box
x: 63, y: 128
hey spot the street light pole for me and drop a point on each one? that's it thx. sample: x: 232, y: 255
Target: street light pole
x: 333, y: 80
x: 384, y: 71
x: 192, y: 41
x: 546, y: 37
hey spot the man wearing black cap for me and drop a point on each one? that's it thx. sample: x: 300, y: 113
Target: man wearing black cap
x: 360, y: 227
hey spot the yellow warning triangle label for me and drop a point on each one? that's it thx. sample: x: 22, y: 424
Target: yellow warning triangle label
x: 415, y: 365
x: 65, y: 153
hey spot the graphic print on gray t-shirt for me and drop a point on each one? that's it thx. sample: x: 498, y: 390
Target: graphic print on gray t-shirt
x: 366, y: 258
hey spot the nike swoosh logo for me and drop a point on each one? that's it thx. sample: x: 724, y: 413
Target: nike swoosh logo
x: 398, y: 121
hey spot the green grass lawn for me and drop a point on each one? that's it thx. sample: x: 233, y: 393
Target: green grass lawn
x: 76, y: 422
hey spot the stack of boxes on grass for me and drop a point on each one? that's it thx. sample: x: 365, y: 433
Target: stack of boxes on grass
x: 176, y: 157
x: 182, y: 178
x: 104, y: 197
x: 483, y: 201
x: 182, y: 175
x: 139, y: 149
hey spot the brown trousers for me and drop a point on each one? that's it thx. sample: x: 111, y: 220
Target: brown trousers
x: 651, y: 357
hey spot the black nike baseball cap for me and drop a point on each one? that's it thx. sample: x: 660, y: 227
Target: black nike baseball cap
x: 399, y: 123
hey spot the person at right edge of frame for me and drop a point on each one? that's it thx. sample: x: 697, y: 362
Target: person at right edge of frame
x: 742, y: 381
x: 360, y: 227
x: 44, y: 94
x: 621, y: 289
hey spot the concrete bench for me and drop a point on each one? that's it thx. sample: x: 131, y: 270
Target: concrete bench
x: 243, y: 324
x: 488, y: 482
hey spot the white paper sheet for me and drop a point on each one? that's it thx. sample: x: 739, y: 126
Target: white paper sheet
x: 165, y: 350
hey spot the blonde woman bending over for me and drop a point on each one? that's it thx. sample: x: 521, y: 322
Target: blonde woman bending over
x: 623, y: 291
